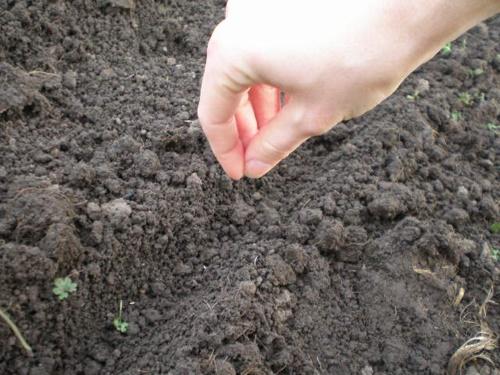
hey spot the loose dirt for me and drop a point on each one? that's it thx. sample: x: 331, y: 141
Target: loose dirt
x: 349, y: 258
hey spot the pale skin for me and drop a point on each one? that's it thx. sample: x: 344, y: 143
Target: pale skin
x: 334, y: 60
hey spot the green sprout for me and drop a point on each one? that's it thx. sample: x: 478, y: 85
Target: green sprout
x: 456, y: 116
x: 120, y: 324
x: 493, y: 127
x: 63, y: 287
x: 446, y: 50
x: 413, y: 96
x: 465, y: 98
x: 464, y: 43
x: 495, y: 253
x: 495, y: 227
x: 476, y: 72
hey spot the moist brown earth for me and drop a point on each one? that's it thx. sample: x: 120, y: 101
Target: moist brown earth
x: 348, y: 258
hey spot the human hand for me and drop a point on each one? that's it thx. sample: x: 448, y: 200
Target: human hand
x: 333, y: 60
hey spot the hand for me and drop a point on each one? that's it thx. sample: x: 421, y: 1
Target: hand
x: 333, y: 60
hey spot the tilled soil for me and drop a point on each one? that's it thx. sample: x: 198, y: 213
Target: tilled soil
x: 350, y: 258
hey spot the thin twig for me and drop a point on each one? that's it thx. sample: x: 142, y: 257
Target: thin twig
x: 16, y: 331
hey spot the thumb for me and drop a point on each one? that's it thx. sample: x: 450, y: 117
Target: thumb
x: 283, y: 134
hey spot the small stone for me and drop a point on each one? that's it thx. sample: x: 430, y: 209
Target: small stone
x: 462, y: 192
x: 96, y: 234
x: 367, y: 370
x: 82, y: 174
x: 107, y: 73
x: 248, y: 287
x: 310, y: 216
x: 3, y: 173
x: 69, y: 79
x: 182, y: 269
x: 456, y: 216
x: 152, y: 315
x: 147, y: 163
x: 42, y: 157
x: 242, y: 212
x: 282, y: 273
x: 330, y: 236
x: 295, y: 255
x: 422, y: 86
x: 488, y: 208
x: 117, y: 211
x: 284, y: 299
x: 93, y: 210
x: 194, y: 181
x: 171, y: 61
x: 386, y: 206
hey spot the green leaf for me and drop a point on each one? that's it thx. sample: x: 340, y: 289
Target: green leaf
x: 495, y: 254
x: 63, y: 287
x: 495, y: 228
x: 120, y: 325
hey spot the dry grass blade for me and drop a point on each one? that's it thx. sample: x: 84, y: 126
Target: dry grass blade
x: 473, y: 348
x: 16, y: 331
x: 483, y: 309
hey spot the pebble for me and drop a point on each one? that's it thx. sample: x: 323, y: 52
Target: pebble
x: 310, y: 216
x: 117, y: 211
x: 147, y: 163
x: 248, y: 287
x: 93, y: 210
x: 97, y: 231
x: 69, y: 79
x: 194, y: 181
x: 330, y: 236
x: 42, y: 157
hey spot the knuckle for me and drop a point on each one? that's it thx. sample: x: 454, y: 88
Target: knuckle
x: 273, y: 151
x: 315, y: 128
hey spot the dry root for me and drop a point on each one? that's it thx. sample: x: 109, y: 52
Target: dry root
x: 475, y: 348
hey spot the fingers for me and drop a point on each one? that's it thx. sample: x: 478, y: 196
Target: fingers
x: 220, y: 97
x: 283, y: 134
x: 266, y: 104
x: 245, y: 120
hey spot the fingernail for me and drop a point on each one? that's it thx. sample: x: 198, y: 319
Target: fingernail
x: 256, y: 168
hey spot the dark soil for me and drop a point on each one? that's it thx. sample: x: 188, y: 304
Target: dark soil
x: 347, y: 259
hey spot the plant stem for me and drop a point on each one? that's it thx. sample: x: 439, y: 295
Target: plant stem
x: 16, y: 331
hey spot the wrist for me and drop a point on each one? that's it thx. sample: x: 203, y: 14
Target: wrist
x: 430, y: 24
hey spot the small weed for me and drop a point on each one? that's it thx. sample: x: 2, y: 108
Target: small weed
x: 456, y: 116
x: 465, y: 98
x: 63, y: 287
x: 464, y: 43
x: 495, y: 227
x: 120, y: 324
x: 476, y: 72
x: 493, y: 127
x: 481, y: 96
x: 495, y: 253
x: 413, y: 96
x: 446, y: 50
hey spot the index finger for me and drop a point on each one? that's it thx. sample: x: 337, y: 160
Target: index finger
x: 222, y: 88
